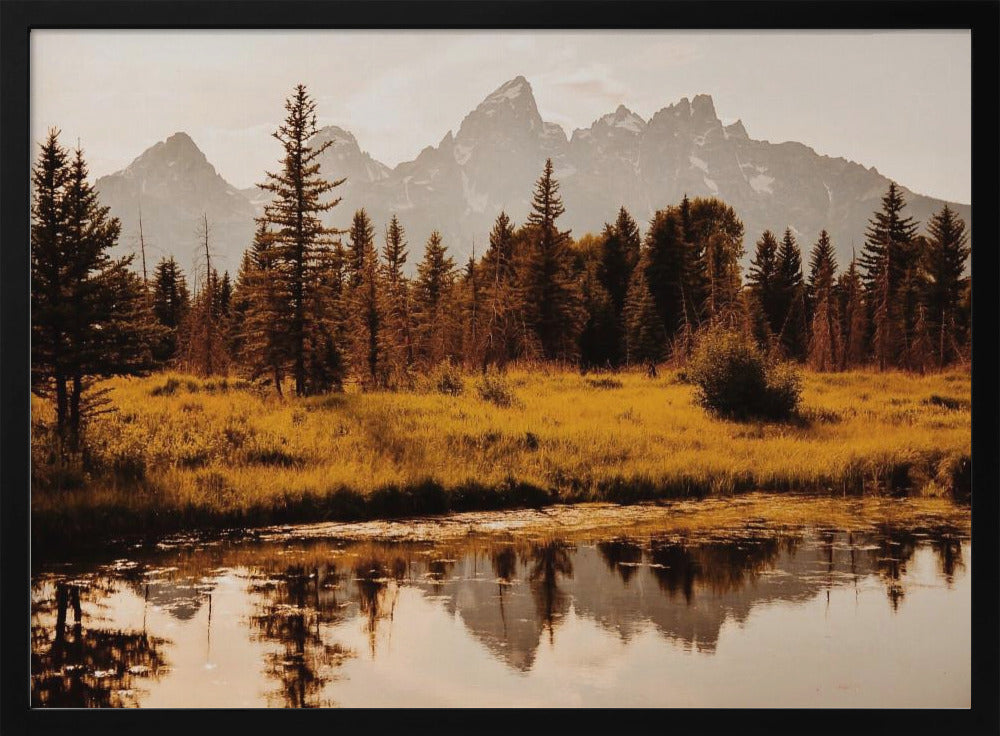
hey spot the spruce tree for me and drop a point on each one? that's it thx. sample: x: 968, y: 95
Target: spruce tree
x: 944, y: 262
x: 301, y: 241
x: 854, y: 317
x: 91, y: 316
x: 765, y: 285
x: 433, y: 297
x: 891, y: 246
x: 619, y: 255
x: 550, y: 294
x: 793, y: 333
x: 398, y: 332
x: 367, y: 326
x: 889, y: 234
x: 715, y: 237
x: 261, y: 299
x: 602, y: 339
x: 500, y: 300
x: 669, y: 263
x: 467, y: 335
x: 50, y: 279
x: 171, y: 302
x: 361, y: 238
x: 823, y: 348
x: 822, y: 261
x: 645, y: 337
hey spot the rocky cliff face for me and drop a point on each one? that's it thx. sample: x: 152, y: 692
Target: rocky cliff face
x: 492, y: 162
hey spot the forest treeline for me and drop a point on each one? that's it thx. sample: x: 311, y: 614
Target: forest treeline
x: 312, y: 307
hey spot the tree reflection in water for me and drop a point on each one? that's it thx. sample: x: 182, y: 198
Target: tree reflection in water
x: 292, y: 613
x: 721, y: 566
x: 372, y: 580
x: 895, y: 548
x: 80, y: 666
x: 684, y: 588
x: 621, y: 556
x: 549, y: 560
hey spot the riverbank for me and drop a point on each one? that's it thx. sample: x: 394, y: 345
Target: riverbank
x: 181, y: 453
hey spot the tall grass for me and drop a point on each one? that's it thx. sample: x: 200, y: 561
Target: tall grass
x: 181, y: 451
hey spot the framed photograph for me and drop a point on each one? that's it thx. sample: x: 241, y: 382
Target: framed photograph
x: 413, y: 359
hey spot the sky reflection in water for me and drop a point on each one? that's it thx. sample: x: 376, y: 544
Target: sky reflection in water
x: 814, y: 618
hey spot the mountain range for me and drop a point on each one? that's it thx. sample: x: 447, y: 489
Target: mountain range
x: 492, y: 163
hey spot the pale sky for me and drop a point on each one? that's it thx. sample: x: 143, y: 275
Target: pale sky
x: 896, y: 100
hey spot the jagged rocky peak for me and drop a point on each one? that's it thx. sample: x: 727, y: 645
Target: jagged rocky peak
x: 336, y: 134
x: 517, y: 88
x: 507, y: 110
x: 702, y: 108
x: 697, y: 114
x: 176, y: 149
x: 622, y: 118
x: 736, y: 130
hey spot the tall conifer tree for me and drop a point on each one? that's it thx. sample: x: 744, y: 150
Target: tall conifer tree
x: 793, y: 333
x: 433, y: 300
x: 550, y: 294
x: 91, y: 315
x: 946, y: 255
x: 302, y: 243
x: 171, y: 302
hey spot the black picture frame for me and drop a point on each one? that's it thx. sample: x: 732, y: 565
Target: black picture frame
x: 18, y: 17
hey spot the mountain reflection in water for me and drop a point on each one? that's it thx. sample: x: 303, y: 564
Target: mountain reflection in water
x: 307, y: 623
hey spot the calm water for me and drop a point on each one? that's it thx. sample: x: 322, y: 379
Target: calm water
x: 757, y: 618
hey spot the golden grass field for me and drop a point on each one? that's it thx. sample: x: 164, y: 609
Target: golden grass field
x: 181, y: 451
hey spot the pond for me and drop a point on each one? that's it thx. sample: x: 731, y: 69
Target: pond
x: 754, y: 615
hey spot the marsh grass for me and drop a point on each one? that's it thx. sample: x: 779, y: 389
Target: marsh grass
x: 180, y: 452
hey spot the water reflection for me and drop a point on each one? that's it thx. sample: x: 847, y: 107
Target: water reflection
x: 86, y: 666
x: 292, y: 611
x: 305, y: 604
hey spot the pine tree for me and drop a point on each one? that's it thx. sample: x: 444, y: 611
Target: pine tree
x: 822, y: 260
x: 602, y: 339
x: 854, y: 317
x: 261, y: 299
x: 765, y: 285
x: 717, y: 246
x: 301, y: 242
x: 890, y: 244
x: 793, y: 332
x: 645, y: 337
x: 361, y: 238
x: 50, y: 279
x: 619, y: 255
x: 889, y: 234
x: 367, y: 301
x: 171, y: 302
x: 549, y: 293
x: 945, y: 259
x: 500, y: 300
x: 669, y: 263
x: 823, y: 352
x: 432, y: 299
x: 398, y: 332
x: 91, y: 317
x: 883, y: 332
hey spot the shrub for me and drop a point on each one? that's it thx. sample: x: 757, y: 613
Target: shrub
x: 496, y: 389
x: 735, y: 379
x: 447, y: 379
